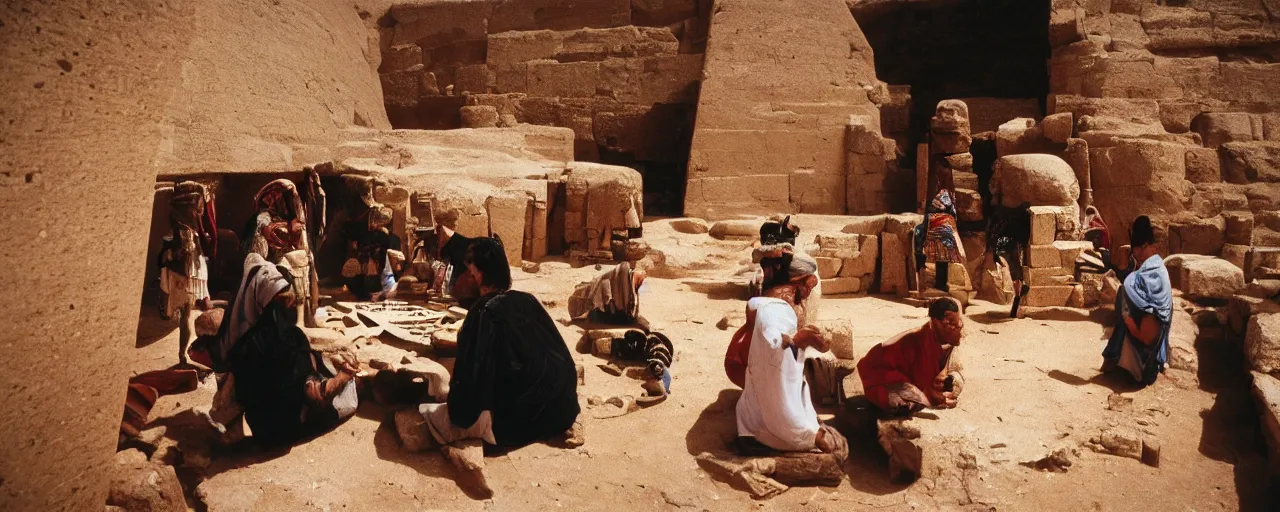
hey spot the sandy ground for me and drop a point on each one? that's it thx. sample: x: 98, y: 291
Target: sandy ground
x: 1031, y: 386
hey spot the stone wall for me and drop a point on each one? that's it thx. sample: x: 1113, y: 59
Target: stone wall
x: 623, y: 74
x: 780, y: 84
x: 99, y: 98
x: 1176, y: 105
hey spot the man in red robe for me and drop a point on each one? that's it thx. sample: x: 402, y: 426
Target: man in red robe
x: 918, y: 368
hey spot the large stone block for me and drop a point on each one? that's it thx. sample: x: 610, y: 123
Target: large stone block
x: 812, y: 192
x: 1059, y: 127
x: 402, y: 88
x: 1251, y: 162
x: 1203, y: 166
x: 1182, y: 342
x: 1069, y: 250
x: 1133, y: 162
x: 893, y: 264
x: 558, y: 14
x: 1039, y: 179
x: 563, y: 79
x: 1266, y: 390
x: 1197, y: 236
x: 828, y: 267
x: 507, y: 216
x: 1044, y: 224
x: 1238, y: 227
x: 1048, y: 296
x: 662, y: 13
x: 1043, y: 256
x: 400, y: 58
x: 432, y: 24
x: 1211, y: 278
x: 866, y: 225
x: 1019, y: 136
x: 1217, y: 129
x: 1262, y: 342
x: 841, y: 286
x: 968, y: 205
x: 1048, y: 276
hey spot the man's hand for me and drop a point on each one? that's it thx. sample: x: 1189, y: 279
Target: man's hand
x: 939, y: 382
x: 944, y: 400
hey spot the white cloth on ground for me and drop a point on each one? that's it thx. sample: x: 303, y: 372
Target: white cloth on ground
x: 445, y: 432
x: 775, y: 407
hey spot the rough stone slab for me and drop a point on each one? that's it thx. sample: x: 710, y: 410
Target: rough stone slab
x: 1069, y: 250
x: 1266, y: 390
x: 1058, y: 127
x: 1045, y: 296
x: 735, y: 229
x: 1044, y: 224
x: 1182, y: 342
x: 1044, y: 256
x: 1203, y: 166
x: 839, y: 333
x: 1038, y: 179
x: 828, y: 267
x: 893, y: 264
x: 868, y: 225
x: 1262, y: 342
x: 841, y: 286
x: 1048, y: 276
x: 1197, y: 236
x: 1212, y: 278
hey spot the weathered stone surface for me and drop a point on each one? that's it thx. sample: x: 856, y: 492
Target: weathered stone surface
x: 950, y: 128
x: 146, y: 487
x: 507, y: 215
x: 1059, y: 127
x: 893, y: 264
x: 1251, y: 162
x: 841, y: 286
x: 479, y: 116
x: 1203, y: 166
x: 1019, y: 136
x: 1042, y: 180
x: 868, y: 225
x: 1121, y: 442
x: 1266, y: 390
x: 400, y: 58
x: 828, y: 267
x: 735, y: 229
x: 968, y: 205
x: 1238, y: 228
x: 858, y: 252
x: 1262, y: 342
x: 1212, y: 278
x: 1182, y: 342
x: 1219, y: 128
x: 1046, y: 296
x: 1044, y: 256
x: 1048, y: 276
x: 994, y: 284
x: 1197, y: 236
x: 1044, y: 224
x: 691, y: 226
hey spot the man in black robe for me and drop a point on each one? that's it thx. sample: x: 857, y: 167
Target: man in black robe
x: 514, y: 381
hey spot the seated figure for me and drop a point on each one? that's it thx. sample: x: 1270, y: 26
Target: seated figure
x: 267, y: 368
x: 1140, y: 342
x: 784, y: 275
x: 918, y: 368
x: 514, y: 381
x: 611, y: 297
x: 775, y: 409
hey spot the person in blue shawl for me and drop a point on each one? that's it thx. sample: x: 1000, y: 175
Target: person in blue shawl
x: 1140, y: 342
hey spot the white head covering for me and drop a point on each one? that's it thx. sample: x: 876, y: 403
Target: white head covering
x: 262, y: 281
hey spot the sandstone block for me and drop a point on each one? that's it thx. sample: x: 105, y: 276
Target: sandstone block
x: 479, y: 116
x: 1251, y: 162
x: 475, y: 78
x: 1238, y: 227
x: 965, y: 180
x: 828, y: 267
x: 1048, y: 276
x: 893, y: 264
x: 402, y: 88
x: 968, y: 205
x: 867, y: 225
x: 1091, y: 285
x: 1234, y: 254
x: 1019, y: 136
x: 563, y: 79
x: 1069, y: 250
x: 1133, y: 162
x: 1182, y: 342
x: 1203, y: 166
x: 1217, y: 129
x: 1059, y: 127
x: 690, y: 226
x: 960, y: 163
x: 1197, y: 236
x: 412, y: 428
x: 735, y: 230
x: 841, y: 286
x: 1042, y: 180
x: 145, y: 486
x: 1048, y: 296
x: 1266, y: 390
x: 1044, y: 224
x: 558, y: 15
x: 400, y: 58
x: 1043, y: 256
x: 1262, y: 342
x: 507, y: 215
x: 1212, y: 278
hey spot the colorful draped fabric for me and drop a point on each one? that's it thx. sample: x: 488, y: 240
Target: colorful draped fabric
x: 1095, y: 229
x: 914, y: 357
x: 938, y: 238
x: 1147, y: 291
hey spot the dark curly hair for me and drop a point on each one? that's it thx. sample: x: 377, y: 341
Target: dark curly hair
x: 489, y: 257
